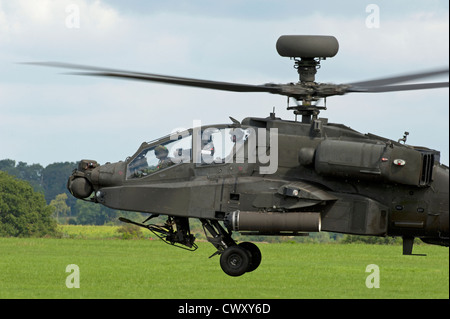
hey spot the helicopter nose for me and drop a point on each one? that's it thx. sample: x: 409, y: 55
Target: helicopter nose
x: 80, y: 187
x: 79, y: 183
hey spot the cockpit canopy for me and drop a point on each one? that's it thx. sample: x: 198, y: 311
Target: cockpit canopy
x: 205, y: 146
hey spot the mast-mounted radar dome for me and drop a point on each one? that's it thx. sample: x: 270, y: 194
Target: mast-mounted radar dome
x: 307, y: 46
x: 307, y: 50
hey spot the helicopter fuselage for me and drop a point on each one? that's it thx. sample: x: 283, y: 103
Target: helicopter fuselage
x: 328, y: 178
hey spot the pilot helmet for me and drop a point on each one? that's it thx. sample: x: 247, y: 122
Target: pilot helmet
x: 160, y: 150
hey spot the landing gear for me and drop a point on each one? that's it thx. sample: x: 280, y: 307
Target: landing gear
x: 255, y: 255
x: 238, y: 259
x: 235, y: 259
x: 408, y: 243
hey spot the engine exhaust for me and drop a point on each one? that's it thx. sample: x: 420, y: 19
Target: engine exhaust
x: 273, y: 222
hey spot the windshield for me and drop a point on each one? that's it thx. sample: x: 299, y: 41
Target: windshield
x: 220, y: 145
x: 160, y: 156
x: 214, y: 146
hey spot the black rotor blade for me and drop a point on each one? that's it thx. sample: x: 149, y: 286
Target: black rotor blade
x: 73, y: 66
x: 395, y: 88
x: 131, y: 75
x: 398, y: 79
x: 297, y: 91
x: 206, y: 84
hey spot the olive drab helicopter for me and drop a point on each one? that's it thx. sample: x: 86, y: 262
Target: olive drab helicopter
x: 268, y: 176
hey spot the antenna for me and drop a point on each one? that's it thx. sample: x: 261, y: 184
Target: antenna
x: 272, y: 115
x: 403, y: 139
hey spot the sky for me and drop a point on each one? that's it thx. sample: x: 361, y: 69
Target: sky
x: 47, y: 115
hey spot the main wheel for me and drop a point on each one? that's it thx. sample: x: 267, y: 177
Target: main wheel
x: 255, y: 255
x: 235, y: 261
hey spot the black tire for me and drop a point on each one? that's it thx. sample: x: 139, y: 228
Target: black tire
x: 255, y: 255
x: 235, y: 261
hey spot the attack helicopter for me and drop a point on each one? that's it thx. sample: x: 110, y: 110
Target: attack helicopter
x: 269, y: 176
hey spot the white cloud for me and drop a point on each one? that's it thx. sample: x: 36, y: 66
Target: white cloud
x: 42, y: 28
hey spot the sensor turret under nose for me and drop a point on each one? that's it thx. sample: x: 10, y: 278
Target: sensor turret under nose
x: 79, y: 184
x: 80, y: 187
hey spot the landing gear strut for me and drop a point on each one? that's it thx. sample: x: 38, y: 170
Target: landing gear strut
x: 235, y: 259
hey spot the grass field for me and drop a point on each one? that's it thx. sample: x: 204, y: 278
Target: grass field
x: 112, y: 268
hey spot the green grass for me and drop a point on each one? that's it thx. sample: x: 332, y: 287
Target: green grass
x: 112, y: 268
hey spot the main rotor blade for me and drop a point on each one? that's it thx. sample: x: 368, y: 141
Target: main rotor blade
x: 73, y: 66
x: 398, y: 79
x: 295, y: 90
x: 131, y: 75
x: 394, y: 88
x: 206, y: 84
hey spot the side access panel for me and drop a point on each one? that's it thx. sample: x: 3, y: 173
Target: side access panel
x: 357, y: 215
x: 187, y: 199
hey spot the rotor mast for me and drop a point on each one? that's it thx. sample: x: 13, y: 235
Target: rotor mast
x: 306, y: 106
x: 307, y: 69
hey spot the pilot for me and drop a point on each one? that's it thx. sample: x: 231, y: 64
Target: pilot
x: 161, y: 153
x: 238, y: 137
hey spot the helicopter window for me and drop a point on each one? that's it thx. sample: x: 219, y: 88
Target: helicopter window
x: 221, y: 145
x: 160, y: 156
x: 216, y: 146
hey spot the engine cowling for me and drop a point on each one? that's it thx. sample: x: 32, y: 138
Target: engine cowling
x: 374, y: 161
